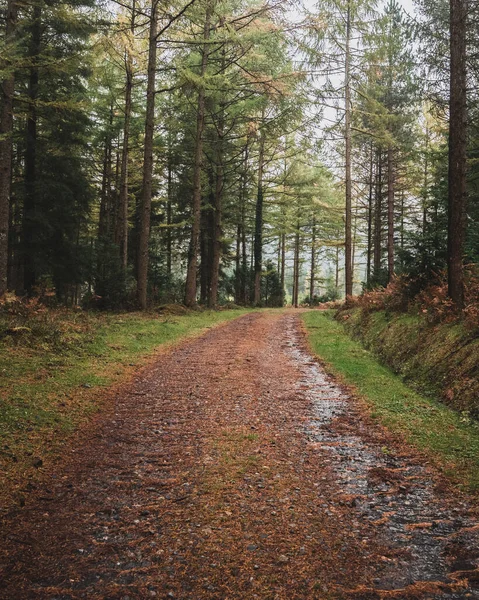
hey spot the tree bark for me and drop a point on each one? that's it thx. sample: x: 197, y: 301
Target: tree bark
x: 105, y: 194
x: 238, y: 263
x: 258, y: 229
x: 347, y: 126
x: 370, y: 217
x: 241, y: 266
x: 426, y: 183
x: 217, y: 208
x: 123, y: 197
x: 244, y: 256
x: 29, y: 207
x: 390, y: 213
x: 191, y: 274
x: 6, y: 127
x: 206, y: 237
x: 169, y: 217
x: 336, y: 279
x: 296, y: 268
x: 313, y: 262
x: 377, y: 217
x: 147, y: 182
x: 457, y: 152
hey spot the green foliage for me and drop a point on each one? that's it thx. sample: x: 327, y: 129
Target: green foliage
x: 271, y: 292
x: 62, y: 185
x: 331, y: 295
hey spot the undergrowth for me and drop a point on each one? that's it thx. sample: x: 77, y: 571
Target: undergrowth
x: 420, y: 335
x: 429, y: 299
x: 448, y: 437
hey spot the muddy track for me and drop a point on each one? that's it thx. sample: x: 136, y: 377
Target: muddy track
x: 234, y: 468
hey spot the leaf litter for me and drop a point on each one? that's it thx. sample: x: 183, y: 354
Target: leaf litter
x: 235, y: 467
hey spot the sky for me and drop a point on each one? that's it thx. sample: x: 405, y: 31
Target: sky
x: 408, y: 6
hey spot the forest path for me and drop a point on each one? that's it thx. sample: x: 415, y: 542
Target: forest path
x: 234, y: 467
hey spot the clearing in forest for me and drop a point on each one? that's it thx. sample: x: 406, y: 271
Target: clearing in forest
x: 235, y: 467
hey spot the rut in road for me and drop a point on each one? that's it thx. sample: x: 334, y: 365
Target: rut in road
x: 234, y: 467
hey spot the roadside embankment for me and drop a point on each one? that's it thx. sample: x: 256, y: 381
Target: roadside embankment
x: 449, y: 438
x: 441, y: 360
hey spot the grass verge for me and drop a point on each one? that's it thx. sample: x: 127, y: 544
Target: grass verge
x: 448, y: 438
x: 55, y: 367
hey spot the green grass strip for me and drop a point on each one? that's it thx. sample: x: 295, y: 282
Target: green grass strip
x: 444, y: 435
x: 48, y: 388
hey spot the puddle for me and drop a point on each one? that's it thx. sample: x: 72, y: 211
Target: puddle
x: 425, y: 536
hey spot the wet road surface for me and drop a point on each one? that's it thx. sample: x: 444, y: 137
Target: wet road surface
x: 235, y: 467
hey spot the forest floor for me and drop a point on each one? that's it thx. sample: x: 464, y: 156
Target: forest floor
x: 234, y: 467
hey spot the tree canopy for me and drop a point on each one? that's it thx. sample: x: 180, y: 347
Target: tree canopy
x: 240, y: 151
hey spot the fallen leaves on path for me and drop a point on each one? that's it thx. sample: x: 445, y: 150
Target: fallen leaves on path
x: 204, y: 480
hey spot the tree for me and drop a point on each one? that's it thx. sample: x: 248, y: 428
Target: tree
x: 457, y: 151
x: 147, y: 182
x: 191, y: 274
x: 6, y: 130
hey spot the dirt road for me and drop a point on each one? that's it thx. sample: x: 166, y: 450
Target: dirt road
x: 234, y: 468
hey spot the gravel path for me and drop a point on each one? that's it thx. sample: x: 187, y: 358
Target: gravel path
x: 234, y: 467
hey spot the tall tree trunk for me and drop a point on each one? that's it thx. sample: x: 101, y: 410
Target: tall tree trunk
x: 115, y: 195
x: 293, y: 293
x: 105, y: 194
x: 390, y: 213
x: 217, y: 212
x: 191, y: 274
x: 296, y: 268
x: 336, y: 281
x: 370, y: 217
x: 258, y: 226
x: 244, y: 256
x: 6, y: 127
x: 123, y: 197
x: 425, y: 184
x: 377, y: 218
x: 239, y: 274
x: 347, y: 126
x: 238, y: 263
x: 457, y: 152
x: 29, y: 207
x: 313, y: 262
x: 15, y: 260
x: 244, y: 264
x: 278, y: 255
x: 147, y: 182
x: 206, y: 238
x: 282, y: 268
x: 169, y: 216
x: 355, y: 235
x: 206, y: 218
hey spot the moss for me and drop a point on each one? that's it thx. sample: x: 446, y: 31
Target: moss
x: 438, y: 359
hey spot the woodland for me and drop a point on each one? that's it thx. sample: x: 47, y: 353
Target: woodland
x: 169, y: 168
x: 236, y: 151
